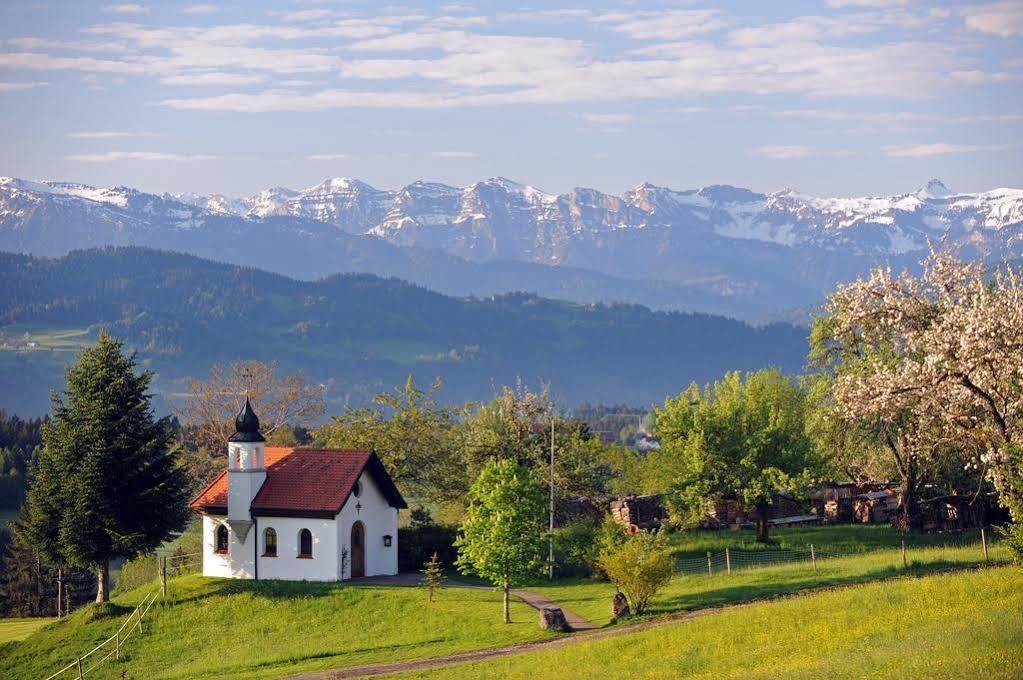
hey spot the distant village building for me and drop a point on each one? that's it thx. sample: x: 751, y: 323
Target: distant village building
x: 297, y: 514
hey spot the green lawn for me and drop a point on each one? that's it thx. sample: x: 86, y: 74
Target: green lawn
x: 842, y: 538
x: 242, y: 629
x: 12, y: 630
x: 960, y: 625
x: 592, y: 599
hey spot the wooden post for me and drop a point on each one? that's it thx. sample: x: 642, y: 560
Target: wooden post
x: 117, y: 644
x: 728, y: 560
x: 813, y: 557
x: 163, y: 577
x: 905, y: 564
x: 81, y: 675
x: 983, y: 542
x: 139, y: 611
x: 710, y: 569
x: 60, y: 590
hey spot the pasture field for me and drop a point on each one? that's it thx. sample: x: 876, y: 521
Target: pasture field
x: 13, y: 630
x: 267, y: 629
x: 955, y: 625
x: 591, y: 599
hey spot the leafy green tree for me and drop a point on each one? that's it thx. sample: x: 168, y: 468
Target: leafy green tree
x: 433, y: 575
x: 639, y: 566
x: 516, y: 425
x: 412, y: 433
x: 502, y: 537
x: 106, y: 483
x: 740, y: 438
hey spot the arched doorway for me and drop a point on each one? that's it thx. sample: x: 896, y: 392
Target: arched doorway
x: 358, y: 550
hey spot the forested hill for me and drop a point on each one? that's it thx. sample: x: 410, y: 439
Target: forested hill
x: 357, y: 333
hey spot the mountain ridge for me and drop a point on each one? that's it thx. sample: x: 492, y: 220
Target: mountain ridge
x: 718, y: 249
x: 357, y: 333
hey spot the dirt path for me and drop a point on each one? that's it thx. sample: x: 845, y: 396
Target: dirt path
x: 509, y: 650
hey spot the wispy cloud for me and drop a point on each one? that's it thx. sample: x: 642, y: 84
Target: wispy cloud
x: 112, y: 156
x: 606, y: 118
x: 1003, y: 19
x: 940, y: 148
x: 107, y: 134
x: 126, y: 8
x: 784, y: 152
x: 14, y: 87
x: 328, y: 157
x: 201, y: 9
x: 839, y: 4
x: 454, y: 154
x: 214, y: 78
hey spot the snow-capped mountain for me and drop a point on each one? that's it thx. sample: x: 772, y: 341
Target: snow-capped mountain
x: 499, y: 218
x: 767, y: 250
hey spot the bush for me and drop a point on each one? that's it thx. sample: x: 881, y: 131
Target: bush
x: 576, y: 549
x: 639, y: 567
x: 416, y: 544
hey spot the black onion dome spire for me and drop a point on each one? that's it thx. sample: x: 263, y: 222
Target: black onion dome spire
x: 246, y: 425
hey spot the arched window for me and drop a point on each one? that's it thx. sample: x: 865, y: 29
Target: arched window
x: 269, y: 543
x: 220, y: 543
x: 305, y: 543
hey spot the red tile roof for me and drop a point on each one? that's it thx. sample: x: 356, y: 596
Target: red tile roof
x: 303, y: 482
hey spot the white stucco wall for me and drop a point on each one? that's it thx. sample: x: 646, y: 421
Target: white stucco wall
x: 379, y: 519
x: 239, y: 562
x: 322, y: 566
x: 330, y: 537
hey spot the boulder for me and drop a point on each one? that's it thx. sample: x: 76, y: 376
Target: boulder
x: 552, y: 618
x: 619, y: 606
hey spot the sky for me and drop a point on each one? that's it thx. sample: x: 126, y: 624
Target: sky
x: 831, y: 97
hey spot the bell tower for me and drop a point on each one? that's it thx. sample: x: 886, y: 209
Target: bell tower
x: 245, y: 471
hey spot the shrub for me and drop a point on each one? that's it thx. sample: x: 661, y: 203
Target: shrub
x: 639, y: 567
x: 417, y: 543
x: 576, y: 549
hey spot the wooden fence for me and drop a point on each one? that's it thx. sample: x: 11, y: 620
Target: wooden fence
x: 133, y: 622
x: 175, y: 565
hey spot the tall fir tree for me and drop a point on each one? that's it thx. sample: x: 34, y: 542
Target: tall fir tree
x: 107, y: 483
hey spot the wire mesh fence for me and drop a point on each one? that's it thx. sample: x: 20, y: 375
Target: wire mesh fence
x: 732, y: 560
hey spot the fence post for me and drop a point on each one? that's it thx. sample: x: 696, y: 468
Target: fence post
x: 163, y: 577
x: 728, y: 560
x: 905, y: 565
x: 139, y: 612
x: 60, y: 590
x: 813, y: 557
x: 710, y: 569
x: 81, y: 675
x: 117, y: 644
x: 983, y: 542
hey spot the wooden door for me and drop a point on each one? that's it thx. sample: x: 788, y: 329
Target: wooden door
x: 358, y: 550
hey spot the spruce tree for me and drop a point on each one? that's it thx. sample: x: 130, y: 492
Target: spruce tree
x: 433, y: 576
x: 107, y: 483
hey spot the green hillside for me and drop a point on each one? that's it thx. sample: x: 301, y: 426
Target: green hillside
x: 356, y: 333
x: 959, y: 625
x: 267, y: 629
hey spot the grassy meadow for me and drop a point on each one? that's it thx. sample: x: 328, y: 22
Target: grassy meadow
x: 14, y: 630
x: 956, y: 625
x: 870, y: 552
x: 243, y: 629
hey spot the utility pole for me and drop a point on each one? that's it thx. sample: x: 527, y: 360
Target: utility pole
x: 550, y: 535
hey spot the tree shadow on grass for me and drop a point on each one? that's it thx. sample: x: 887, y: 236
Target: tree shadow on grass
x: 728, y: 594
x: 293, y: 659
